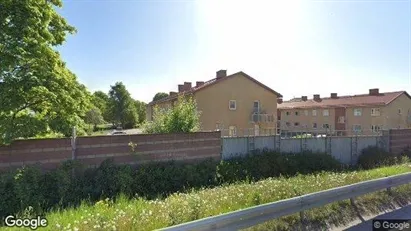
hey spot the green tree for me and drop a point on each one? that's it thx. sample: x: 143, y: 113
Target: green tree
x: 122, y: 107
x: 38, y: 94
x: 93, y: 116
x: 160, y: 95
x: 101, y: 101
x: 183, y: 117
x: 141, y: 111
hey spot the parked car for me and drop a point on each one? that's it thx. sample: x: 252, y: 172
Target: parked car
x: 113, y: 133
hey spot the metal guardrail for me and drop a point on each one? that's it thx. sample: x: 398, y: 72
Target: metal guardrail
x: 258, y: 214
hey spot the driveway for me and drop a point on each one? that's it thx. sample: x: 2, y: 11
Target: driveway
x: 133, y: 131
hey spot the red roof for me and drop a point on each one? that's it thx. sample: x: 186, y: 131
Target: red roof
x: 344, y: 101
x: 212, y: 82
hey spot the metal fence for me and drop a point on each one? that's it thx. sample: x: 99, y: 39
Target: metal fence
x: 252, y: 216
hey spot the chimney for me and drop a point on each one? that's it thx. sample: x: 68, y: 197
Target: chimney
x: 374, y: 91
x: 199, y: 83
x: 279, y: 100
x: 221, y: 74
x: 180, y: 88
x: 172, y: 93
x: 334, y: 95
x: 304, y: 98
x: 317, y: 97
x: 187, y: 86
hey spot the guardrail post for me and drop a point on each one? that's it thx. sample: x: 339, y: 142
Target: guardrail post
x: 357, y: 211
x: 303, y: 221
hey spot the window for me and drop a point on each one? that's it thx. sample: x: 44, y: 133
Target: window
x: 256, y: 106
x: 306, y: 112
x: 217, y: 126
x: 326, y: 126
x: 399, y: 111
x: 232, y: 105
x: 232, y: 131
x: 314, y: 112
x: 314, y: 125
x: 296, y: 124
x: 287, y: 124
x: 357, y: 112
x: 287, y: 113
x: 376, y: 128
x: 341, y: 119
x: 375, y: 112
x: 356, y: 128
x: 326, y: 112
x: 297, y: 113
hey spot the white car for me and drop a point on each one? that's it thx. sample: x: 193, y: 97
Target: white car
x: 114, y: 133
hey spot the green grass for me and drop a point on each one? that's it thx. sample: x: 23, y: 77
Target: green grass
x: 141, y: 214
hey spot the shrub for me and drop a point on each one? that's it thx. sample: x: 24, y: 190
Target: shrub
x: 70, y: 184
x: 372, y: 157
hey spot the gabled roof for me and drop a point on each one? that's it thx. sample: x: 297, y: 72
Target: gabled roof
x: 344, y: 101
x: 211, y: 83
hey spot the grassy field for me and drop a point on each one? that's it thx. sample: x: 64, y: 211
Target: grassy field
x: 141, y: 214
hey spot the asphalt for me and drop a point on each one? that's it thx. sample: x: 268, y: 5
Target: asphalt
x: 403, y: 213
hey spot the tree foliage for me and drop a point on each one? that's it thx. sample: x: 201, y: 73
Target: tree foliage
x: 101, y: 101
x: 38, y: 94
x: 141, y: 111
x: 93, y: 116
x: 122, y: 109
x: 160, y: 95
x: 183, y: 117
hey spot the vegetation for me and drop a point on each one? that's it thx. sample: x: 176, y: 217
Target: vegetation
x: 29, y: 187
x: 160, y: 95
x: 182, y: 117
x: 143, y: 214
x: 38, y: 94
x: 121, y: 107
x: 101, y: 101
x: 141, y: 111
x: 93, y: 116
x: 373, y: 156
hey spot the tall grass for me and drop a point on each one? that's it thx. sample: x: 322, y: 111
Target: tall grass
x: 141, y: 214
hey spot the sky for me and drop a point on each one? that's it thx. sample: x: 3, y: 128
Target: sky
x: 294, y: 47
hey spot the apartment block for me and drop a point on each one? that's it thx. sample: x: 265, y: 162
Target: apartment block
x: 351, y: 114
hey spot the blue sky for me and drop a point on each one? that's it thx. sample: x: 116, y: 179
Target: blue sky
x: 295, y: 47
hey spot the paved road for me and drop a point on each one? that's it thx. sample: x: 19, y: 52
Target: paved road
x: 402, y: 213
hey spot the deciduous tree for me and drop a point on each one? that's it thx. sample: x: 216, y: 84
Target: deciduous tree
x: 160, y: 95
x: 38, y: 94
x: 122, y: 106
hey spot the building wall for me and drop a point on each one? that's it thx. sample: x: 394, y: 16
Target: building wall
x: 397, y: 120
x: 306, y: 121
x: 213, y: 102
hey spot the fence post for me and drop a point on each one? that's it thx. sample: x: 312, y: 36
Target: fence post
x: 73, y: 148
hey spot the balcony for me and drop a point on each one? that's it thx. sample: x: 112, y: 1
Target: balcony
x: 261, y: 117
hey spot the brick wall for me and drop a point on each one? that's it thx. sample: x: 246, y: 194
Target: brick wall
x: 91, y: 151
x: 399, y: 139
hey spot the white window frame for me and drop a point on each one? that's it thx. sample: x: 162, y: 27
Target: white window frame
x: 287, y: 113
x: 235, y: 105
x: 259, y: 105
x: 375, y: 111
x: 341, y: 119
x: 326, y: 114
x: 232, y: 131
x: 376, y: 128
x: 357, y: 111
x: 316, y: 125
x: 314, y: 112
x: 306, y: 112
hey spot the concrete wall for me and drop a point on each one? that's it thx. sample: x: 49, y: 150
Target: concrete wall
x: 91, y: 151
x: 344, y: 149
